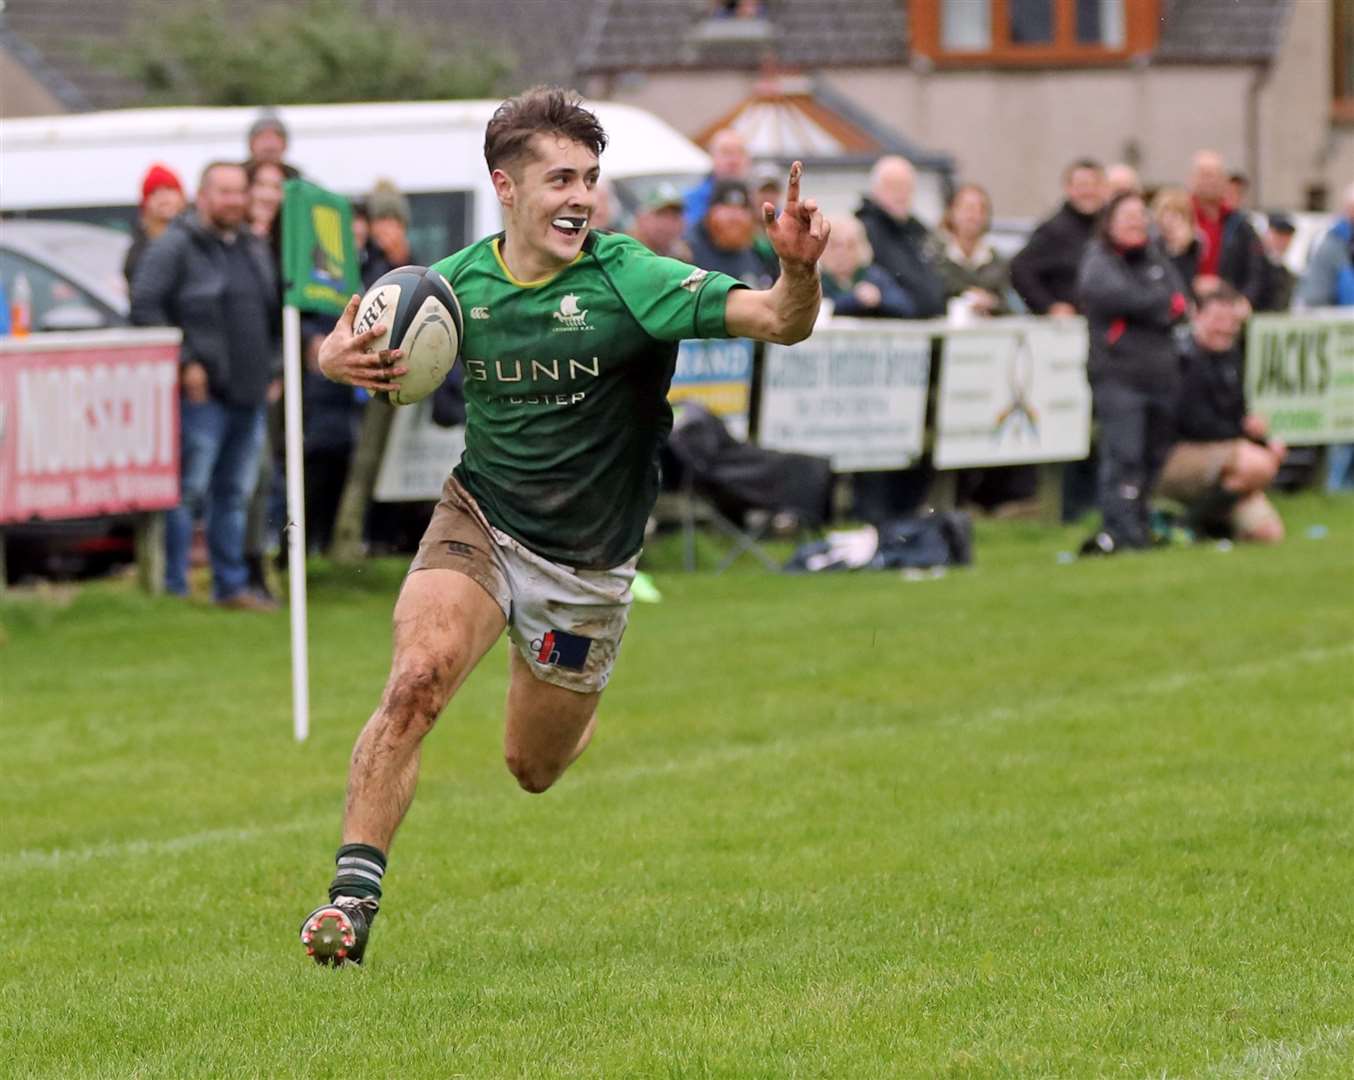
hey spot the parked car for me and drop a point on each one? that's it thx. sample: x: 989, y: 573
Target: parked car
x: 74, y: 274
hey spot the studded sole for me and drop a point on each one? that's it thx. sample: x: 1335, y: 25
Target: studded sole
x: 327, y: 936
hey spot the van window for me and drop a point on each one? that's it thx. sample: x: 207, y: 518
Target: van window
x: 440, y: 225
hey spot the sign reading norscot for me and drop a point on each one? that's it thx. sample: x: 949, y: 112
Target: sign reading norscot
x: 89, y: 424
x: 857, y: 396
x: 1300, y: 375
x: 718, y: 375
x: 1013, y: 392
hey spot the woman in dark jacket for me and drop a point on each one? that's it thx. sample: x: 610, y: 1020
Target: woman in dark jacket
x: 1132, y: 298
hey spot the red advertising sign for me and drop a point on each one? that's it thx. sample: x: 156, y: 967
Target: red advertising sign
x: 89, y: 424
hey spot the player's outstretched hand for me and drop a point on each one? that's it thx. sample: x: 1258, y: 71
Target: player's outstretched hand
x: 346, y: 357
x: 799, y: 234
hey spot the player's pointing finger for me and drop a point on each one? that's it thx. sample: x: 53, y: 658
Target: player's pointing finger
x: 792, y: 189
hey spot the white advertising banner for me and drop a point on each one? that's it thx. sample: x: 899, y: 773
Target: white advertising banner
x: 1300, y: 375
x: 418, y: 457
x: 855, y: 394
x: 1013, y: 392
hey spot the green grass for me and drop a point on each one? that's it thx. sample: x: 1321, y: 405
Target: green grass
x: 1029, y: 820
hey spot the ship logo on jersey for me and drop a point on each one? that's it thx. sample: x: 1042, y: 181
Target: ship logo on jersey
x: 569, y: 316
x: 693, y: 280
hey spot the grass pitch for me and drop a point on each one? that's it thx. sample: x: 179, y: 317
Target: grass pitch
x: 1030, y: 820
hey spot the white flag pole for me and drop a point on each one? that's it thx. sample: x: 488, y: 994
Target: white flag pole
x: 296, y: 523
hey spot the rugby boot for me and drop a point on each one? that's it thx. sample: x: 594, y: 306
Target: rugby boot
x: 336, y: 933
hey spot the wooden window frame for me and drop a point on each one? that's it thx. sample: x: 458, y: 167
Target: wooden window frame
x: 1140, y: 35
x: 1342, y: 108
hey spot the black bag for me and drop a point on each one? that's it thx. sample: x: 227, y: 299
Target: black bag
x: 938, y: 539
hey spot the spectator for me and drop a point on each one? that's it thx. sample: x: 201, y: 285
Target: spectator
x: 1044, y: 272
x: 658, y: 223
x: 210, y: 276
x: 1173, y: 215
x: 388, y: 218
x: 603, y: 215
x: 267, y: 141
x: 1230, y: 250
x: 1329, y: 282
x: 265, y: 202
x: 1132, y: 297
x: 1281, y: 282
x: 162, y: 200
x: 267, y: 508
x: 902, y: 245
x: 767, y: 186
x: 1222, y: 462
x: 979, y: 280
x: 851, y: 281
x: 1238, y: 190
x: 723, y: 238
x: 970, y: 267
x: 1122, y: 179
x: 728, y: 161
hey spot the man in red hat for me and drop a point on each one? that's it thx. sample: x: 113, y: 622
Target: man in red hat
x: 162, y: 200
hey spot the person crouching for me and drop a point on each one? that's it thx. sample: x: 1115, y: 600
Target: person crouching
x: 1224, y: 460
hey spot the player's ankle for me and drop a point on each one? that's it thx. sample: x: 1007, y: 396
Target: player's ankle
x: 359, y: 869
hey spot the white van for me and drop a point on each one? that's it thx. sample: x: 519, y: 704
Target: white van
x: 88, y: 166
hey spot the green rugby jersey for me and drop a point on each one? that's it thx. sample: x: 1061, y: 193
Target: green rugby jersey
x: 566, y: 383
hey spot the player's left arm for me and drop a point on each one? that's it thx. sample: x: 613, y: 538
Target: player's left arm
x: 784, y: 313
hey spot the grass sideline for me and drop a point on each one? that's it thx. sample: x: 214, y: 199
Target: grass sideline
x: 1029, y: 820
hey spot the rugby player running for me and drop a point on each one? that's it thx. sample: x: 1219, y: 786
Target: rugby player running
x: 570, y: 339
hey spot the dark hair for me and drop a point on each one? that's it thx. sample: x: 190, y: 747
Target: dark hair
x: 1218, y: 293
x: 252, y: 167
x: 542, y: 110
x: 1240, y: 178
x: 1102, y: 225
x: 1082, y: 163
x: 947, y: 219
x: 212, y: 166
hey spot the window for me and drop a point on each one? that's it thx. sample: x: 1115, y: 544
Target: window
x: 1034, y: 32
x: 1342, y: 40
x: 57, y: 304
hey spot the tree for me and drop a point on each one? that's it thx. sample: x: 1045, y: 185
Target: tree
x: 204, y: 52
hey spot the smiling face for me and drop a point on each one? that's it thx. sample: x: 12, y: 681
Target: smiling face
x: 547, y: 197
x: 1128, y: 225
x: 265, y: 195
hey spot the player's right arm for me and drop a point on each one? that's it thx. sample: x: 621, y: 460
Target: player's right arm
x: 345, y: 357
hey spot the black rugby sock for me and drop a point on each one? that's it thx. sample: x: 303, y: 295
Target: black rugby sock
x: 360, y: 868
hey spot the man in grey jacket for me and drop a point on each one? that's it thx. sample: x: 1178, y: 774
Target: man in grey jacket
x: 210, y: 276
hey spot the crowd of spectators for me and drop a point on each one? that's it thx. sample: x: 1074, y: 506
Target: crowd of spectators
x: 1138, y: 270
x: 1165, y: 278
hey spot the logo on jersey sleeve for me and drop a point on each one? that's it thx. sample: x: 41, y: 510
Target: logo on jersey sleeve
x: 569, y: 316
x: 693, y: 280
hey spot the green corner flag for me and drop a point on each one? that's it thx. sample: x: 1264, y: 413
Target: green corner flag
x: 319, y: 257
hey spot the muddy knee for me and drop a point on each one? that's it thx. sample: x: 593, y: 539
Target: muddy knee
x: 417, y: 692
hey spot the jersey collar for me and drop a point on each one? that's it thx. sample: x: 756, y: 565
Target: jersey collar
x: 498, y: 257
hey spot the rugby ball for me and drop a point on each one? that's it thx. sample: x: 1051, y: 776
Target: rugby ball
x: 423, y: 318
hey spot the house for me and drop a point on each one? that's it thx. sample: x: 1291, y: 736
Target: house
x: 1015, y: 89
x: 1008, y: 90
